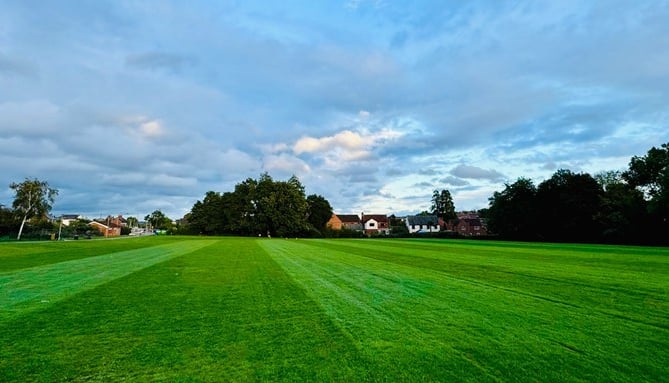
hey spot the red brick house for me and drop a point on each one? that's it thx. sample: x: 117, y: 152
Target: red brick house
x: 117, y: 221
x: 468, y: 227
x: 105, y: 230
x: 344, y: 221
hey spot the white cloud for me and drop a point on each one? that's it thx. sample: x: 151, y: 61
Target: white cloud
x: 346, y: 140
x: 285, y: 164
x: 151, y: 129
x: 346, y: 145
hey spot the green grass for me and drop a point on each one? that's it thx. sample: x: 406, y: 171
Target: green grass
x: 18, y: 255
x: 242, y: 309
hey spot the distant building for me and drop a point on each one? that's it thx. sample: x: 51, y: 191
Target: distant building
x: 375, y: 224
x: 66, y: 219
x: 344, y: 221
x: 105, y: 230
x: 468, y: 224
x: 118, y: 221
x: 422, y: 224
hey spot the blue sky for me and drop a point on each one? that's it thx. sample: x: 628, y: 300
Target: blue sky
x: 127, y: 106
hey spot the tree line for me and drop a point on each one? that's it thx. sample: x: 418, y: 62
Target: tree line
x: 262, y: 206
x: 630, y: 206
x: 29, y: 215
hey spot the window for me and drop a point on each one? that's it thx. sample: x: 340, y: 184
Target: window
x: 371, y: 224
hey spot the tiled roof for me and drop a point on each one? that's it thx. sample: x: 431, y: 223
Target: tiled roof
x: 349, y: 218
x: 376, y: 217
x: 423, y: 220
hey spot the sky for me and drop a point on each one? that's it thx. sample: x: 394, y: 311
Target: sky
x: 128, y: 107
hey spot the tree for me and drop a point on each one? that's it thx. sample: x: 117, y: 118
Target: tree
x: 241, y: 206
x: 7, y: 221
x: 567, y: 204
x: 33, y: 198
x: 132, y: 221
x: 442, y: 205
x: 261, y: 206
x: 512, y: 212
x: 281, y: 207
x: 621, y: 209
x: 158, y: 220
x: 319, y: 211
x: 650, y: 174
x: 207, y: 215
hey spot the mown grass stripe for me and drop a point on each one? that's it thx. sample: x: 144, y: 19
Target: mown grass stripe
x: 420, y: 309
x: 377, y: 307
x: 36, y: 287
x: 21, y: 255
x: 224, y: 313
x: 610, y: 289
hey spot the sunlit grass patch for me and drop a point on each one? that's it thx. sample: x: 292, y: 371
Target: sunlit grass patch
x: 32, y: 288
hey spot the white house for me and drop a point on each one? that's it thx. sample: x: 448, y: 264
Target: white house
x: 375, y: 224
x: 66, y: 219
x: 422, y: 224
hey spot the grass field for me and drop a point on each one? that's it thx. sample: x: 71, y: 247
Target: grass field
x: 245, y: 309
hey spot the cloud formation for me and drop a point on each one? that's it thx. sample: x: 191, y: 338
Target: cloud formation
x: 345, y: 140
x: 473, y: 172
x: 129, y: 107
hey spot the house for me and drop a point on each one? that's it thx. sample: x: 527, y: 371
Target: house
x: 117, y: 221
x: 105, y: 230
x: 422, y: 224
x: 467, y: 227
x: 334, y: 223
x: 66, y: 219
x: 344, y: 221
x: 375, y: 224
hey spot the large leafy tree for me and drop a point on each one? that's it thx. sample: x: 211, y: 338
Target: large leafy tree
x: 207, y: 215
x: 568, y: 203
x: 512, y: 212
x: 158, y: 220
x: 281, y: 207
x: 319, y: 211
x: 442, y: 204
x: 262, y: 206
x: 32, y: 198
x: 621, y: 209
x: 241, y: 206
x: 7, y: 221
x: 650, y: 174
